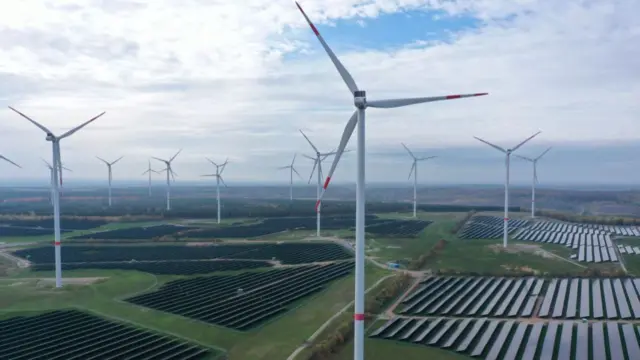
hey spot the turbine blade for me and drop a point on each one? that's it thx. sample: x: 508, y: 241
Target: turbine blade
x: 492, y: 145
x: 394, y: 103
x: 294, y: 159
x: 315, y: 163
x: 163, y: 160
x: 525, y: 141
x: 523, y: 157
x: 310, y: 143
x: 66, y: 168
x: 145, y: 172
x: 45, y: 161
x: 409, y: 151
x: 541, y: 155
x: 174, y: 156
x: 413, y: 166
x: 427, y: 158
x: 9, y: 161
x: 103, y: 160
x: 222, y: 180
x: 309, y: 157
x: 297, y: 173
x: 283, y: 167
x: 32, y: 121
x: 120, y: 158
x: 223, y: 166
x: 209, y: 175
x: 346, y: 135
x: 211, y: 161
x: 72, y: 131
x: 351, y: 84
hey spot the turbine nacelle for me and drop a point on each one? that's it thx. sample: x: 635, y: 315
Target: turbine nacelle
x: 360, y: 99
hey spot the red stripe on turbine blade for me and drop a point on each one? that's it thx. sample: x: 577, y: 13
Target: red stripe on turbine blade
x: 317, y: 205
x: 453, y: 97
x: 480, y: 94
x: 313, y: 27
x: 358, y: 317
x: 326, y: 182
x: 56, y: 243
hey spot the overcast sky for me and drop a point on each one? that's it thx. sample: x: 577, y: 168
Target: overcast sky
x: 237, y: 79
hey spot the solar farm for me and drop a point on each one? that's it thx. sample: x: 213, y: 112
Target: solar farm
x: 488, y: 227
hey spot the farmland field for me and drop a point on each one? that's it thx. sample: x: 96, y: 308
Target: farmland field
x: 73, y: 334
x: 242, y: 301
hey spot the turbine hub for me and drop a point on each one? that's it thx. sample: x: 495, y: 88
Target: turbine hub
x: 50, y: 137
x: 360, y: 99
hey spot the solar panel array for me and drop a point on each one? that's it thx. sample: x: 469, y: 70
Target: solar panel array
x: 488, y: 227
x: 615, y: 229
x: 511, y: 340
x: 631, y: 250
x: 590, y: 247
x: 512, y: 297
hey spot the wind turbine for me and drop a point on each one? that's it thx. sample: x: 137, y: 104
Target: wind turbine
x: 292, y: 170
x: 535, y: 179
x: 52, y: 173
x: 218, y: 176
x: 9, y: 161
x: 149, y: 171
x: 507, y: 152
x: 358, y: 118
x: 414, y: 170
x: 109, y: 165
x: 317, y: 162
x: 170, y: 175
x: 57, y: 164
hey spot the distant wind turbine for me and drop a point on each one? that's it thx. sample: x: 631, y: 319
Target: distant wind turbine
x: 218, y: 176
x: 149, y: 171
x: 57, y: 162
x: 52, y: 177
x: 109, y: 165
x: 507, y: 152
x: 317, y: 162
x: 170, y: 175
x: 291, y: 171
x: 414, y: 170
x: 534, y: 161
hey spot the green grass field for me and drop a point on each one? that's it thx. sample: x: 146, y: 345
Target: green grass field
x: 378, y: 349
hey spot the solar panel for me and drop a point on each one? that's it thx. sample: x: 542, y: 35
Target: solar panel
x: 434, y: 340
x: 558, y: 307
x: 417, y: 292
x: 384, y: 327
x: 589, y: 256
x: 631, y: 340
x: 582, y: 341
x: 396, y: 329
x: 434, y: 309
x: 564, y: 351
x: 464, y: 324
x: 633, y: 298
x: 426, y: 331
x: 549, y: 341
x: 615, y: 345
x: 597, y: 342
x: 516, y: 341
x: 548, y: 298
x: 609, y: 302
x: 486, y: 296
x: 474, y: 296
x: 528, y: 309
x: 572, y: 304
x: 585, y: 298
x: 623, y: 306
x: 596, y: 254
x: 441, y: 293
x: 508, y: 300
x: 435, y: 291
x: 482, y: 343
x: 413, y: 329
x: 612, y: 254
x: 464, y: 345
x: 596, y: 297
x: 537, y: 287
x: 605, y: 253
x: 462, y: 295
x: 494, y: 301
x: 517, y: 304
x: 500, y: 341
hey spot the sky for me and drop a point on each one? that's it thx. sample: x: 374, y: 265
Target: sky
x: 238, y: 79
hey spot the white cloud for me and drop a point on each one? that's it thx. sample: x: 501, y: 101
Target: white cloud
x: 218, y: 78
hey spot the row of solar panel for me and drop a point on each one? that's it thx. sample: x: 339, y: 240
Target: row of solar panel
x: 459, y: 296
x: 629, y: 250
x: 569, y: 239
x: 615, y: 229
x: 592, y: 298
x: 597, y: 254
x: 561, y: 227
x: 511, y: 340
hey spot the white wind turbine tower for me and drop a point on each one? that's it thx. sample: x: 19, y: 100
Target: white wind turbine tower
x: 358, y: 118
x: 535, y: 179
x: 57, y: 161
x: 414, y: 171
x: 317, y: 162
x: 9, y: 161
x: 218, y: 176
x: 149, y: 171
x: 52, y: 173
x: 292, y: 170
x: 507, y: 152
x: 109, y: 165
x: 170, y: 175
